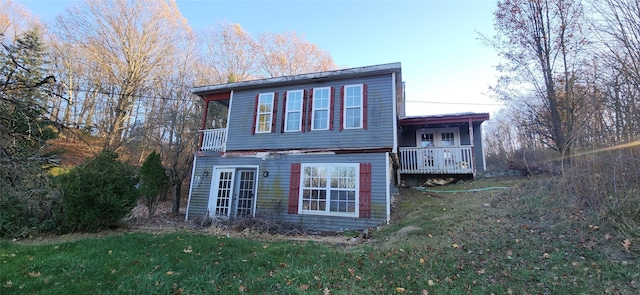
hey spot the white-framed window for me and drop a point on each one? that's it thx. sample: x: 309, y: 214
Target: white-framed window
x: 293, y: 111
x: 321, y: 105
x: 264, y: 112
x: 329, y: 189
x: 352, y: 106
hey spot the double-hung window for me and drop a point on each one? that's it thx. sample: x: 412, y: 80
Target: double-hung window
x: 264, y: 112
x: 353, y: 106
x: 321, y: 105
x: 330, y: 189
x: 293, y: 112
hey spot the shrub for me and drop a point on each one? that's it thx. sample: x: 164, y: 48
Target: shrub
x: 98, y: 194
x: 153, y: 181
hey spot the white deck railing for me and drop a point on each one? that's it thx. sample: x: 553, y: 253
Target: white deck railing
x: 213, y: 139
x: 441, y: 160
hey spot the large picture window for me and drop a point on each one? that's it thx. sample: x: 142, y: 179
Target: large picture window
x: 353, y: 106
x: 321, y: 106
x: 293, y: 113
x: 329, y: 189
x: 264, y: 112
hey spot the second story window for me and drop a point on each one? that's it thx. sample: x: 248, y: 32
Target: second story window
x: 321, y: 105
x: 293, y: 111
x: 264, y: 113
x: 352, y: 106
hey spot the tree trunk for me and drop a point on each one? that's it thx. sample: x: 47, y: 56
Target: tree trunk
x: 177, y: 195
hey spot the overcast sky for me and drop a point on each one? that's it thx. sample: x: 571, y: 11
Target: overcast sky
x: 445, y: 66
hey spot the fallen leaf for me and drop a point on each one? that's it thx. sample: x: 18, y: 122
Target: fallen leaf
x: 481, y: 271
x: 109, y: 252
x: 455, y: 245
x: 242, y: 288
x: 626, y: 244
x: 8, y: 284
x: 326, y: 291
x: 593, y: 227
x: 575, y: 264
x: 421, y: 260
x: 187, y: 250
x: 351, y: 271
x: 546, y: 255
x: 169, y: 273
x: 425, y: 292
x: 400, y: 290
x: 608, y: 237
x: 303, y: 287
x: 430, y: 283
x: 34, y: 274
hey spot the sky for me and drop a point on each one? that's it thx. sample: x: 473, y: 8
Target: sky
x: 445, y: 66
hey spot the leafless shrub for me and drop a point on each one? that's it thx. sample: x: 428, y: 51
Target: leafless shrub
x: 606, y: 181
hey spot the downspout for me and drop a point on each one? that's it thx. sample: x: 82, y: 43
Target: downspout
x: 471, y: 140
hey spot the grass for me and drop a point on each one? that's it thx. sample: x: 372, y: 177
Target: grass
x: 524, y: 240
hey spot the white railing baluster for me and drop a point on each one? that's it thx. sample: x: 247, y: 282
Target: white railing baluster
x: 213, y: 139
x: 440, y: 160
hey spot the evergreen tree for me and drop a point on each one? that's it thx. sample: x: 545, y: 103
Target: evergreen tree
x: 25, y: 198
x: 153, y: 181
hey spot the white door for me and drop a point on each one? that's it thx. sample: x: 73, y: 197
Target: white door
x: 232, y: 193
x: 436, y: 143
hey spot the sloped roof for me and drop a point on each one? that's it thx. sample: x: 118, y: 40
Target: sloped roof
x: 444, y: 118
x: 302, y: 78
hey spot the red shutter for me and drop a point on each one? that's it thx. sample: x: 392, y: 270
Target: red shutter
x: 304, y: 110
x: 275, y: 112
x: 255, y: 115
x: 310, y: 115
x: 364, y: 106
x: 341, y: 107
x: 284, y: 111
x: 294, y: 188
x: 365, y: 190
x: 331, y: 105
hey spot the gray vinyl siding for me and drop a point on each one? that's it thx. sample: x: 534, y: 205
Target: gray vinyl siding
x: 379, y: 132
x: 273, y: 191
x: 478, y: 152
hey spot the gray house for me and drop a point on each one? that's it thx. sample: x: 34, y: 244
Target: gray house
x: 320, y: 150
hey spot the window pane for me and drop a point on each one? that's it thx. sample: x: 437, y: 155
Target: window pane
x: 352, y: 118
x: 321, y: 119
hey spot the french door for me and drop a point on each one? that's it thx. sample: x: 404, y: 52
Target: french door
x: 233, y: 192
x: 436, y: 144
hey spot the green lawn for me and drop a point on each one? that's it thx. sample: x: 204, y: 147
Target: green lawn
x: 523, y: 240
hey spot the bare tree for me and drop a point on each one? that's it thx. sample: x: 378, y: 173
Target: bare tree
x: 543, y: 42
x: 290, y: 54
x: 131, y: 42
x: 230, y: 54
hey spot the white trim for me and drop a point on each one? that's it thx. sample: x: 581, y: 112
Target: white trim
x: 224, y: 147
x: 193, y: 172
x: 235, y: 169
x: 361, y: 106
x: 287, y: 111
x: 388, y: 186
x: 258, y: 113
x: 327, y: 188
x: 395, y: 114
x: 437, y: 135
x: 313, y: 108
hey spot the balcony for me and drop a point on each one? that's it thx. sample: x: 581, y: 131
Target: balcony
x: 438, y: 160
x: 213, y: 140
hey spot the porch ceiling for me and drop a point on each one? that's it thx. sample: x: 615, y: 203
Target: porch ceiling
x: 441, y: 119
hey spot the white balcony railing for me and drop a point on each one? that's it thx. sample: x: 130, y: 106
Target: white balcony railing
x: 440, y: 160
x: 213, y: 139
